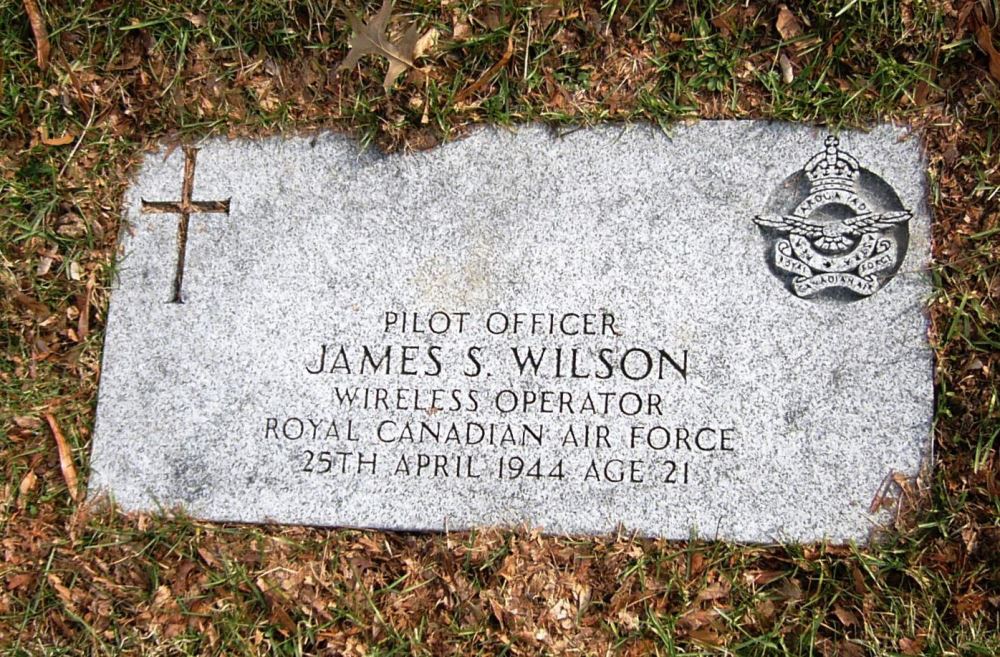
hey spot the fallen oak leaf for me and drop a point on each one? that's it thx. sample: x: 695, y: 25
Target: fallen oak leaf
x: 65, y: 457
x: 845, y: 616
x: 41, y: 33
x: 984, y: 37
x: 20, y: 581
x: 28, y: 483
x: 371, y: 39
x: 788, y: 25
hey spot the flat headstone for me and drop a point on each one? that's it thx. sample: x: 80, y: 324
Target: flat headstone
x: 716, y: 332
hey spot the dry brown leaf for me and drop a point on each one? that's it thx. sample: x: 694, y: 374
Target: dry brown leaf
x: 28, y: 482
x: 65, y: 595
x: 845, y: 616
x: 461, y: 31
x: 44, y: 265
x: 83, y: 303
x: 483, y: 79
x: 765, y: 609
x: 911, y: 646
x: 762, y: 577
x: 27, y: 422
x: 41, y: 33
x: 65, y: 457
x: 20, y: 581
x: 208, y: 557
x: 714, y: 591
x: 788, y: 25
x: 697, y: 564
x: 696, y: 618
x: 726, y: 21
x: 707, y: 636
x: 790, y: 589
x: 54, y: 141
x: 969, y: 604
x: 850, y: 649
x: 984, y: 37
x: 629, y: 619
x: 425, y: 43
x: 787, y: 73
x: 371, y: 39
x: 548, y: 13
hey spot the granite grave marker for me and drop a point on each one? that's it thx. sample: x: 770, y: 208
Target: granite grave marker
x: 717, y: 332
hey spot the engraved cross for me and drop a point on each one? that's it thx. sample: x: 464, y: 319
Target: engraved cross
x: 185, y: 208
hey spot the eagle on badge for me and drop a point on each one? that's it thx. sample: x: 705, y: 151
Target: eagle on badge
x: 834, y: 234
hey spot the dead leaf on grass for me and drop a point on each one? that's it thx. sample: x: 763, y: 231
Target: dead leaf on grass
x: 706, y: 636
x: 41, y: 33
x: 726, y: 21
x: 787, y: 73
x: 548, y: 13
x: 65, y: 595
x: 762, y: 577
x: 27, y: 422
x: 461, y: 30
x: 790, y: 590
x: 787, y: 24
x: 83, y: 303
x: 44, y: 265
x: 372, y: 39
x: 714, y: 591
x: 483, y: 79
x: 984, y: 37
x: 54, y: 141
x: 20, y: 581
x: 28, y: 483
x: 850, y: 649
x: 426, y: 43
x: 65, y: 457
x: 969, y: 604
x: 911, y: 646
x: 845, y: 616
x: 765, y: 609
x: 696, y: 618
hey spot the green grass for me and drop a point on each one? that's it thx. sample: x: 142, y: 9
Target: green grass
x: 125, y: 75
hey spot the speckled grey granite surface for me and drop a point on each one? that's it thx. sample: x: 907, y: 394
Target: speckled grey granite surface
x: 820, y: 395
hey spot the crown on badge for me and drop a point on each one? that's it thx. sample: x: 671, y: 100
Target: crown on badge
x: 832, y: 169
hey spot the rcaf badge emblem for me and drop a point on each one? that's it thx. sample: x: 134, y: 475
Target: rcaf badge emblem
x: 835, y: 230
